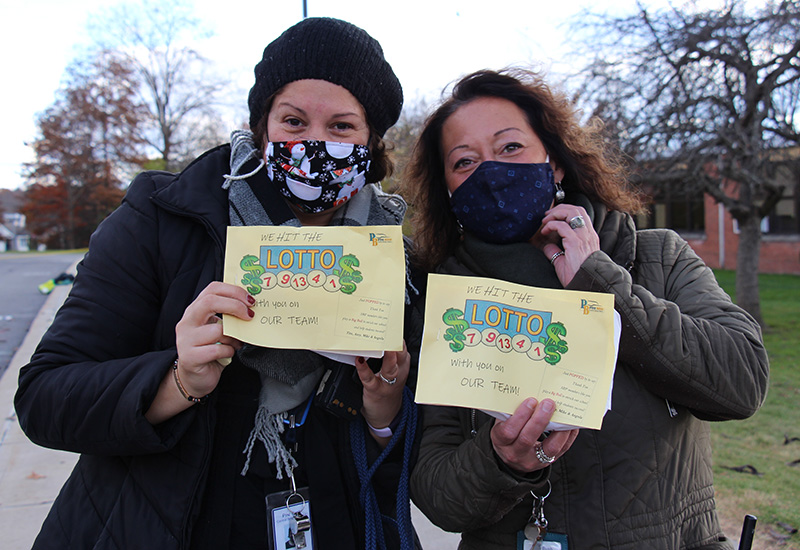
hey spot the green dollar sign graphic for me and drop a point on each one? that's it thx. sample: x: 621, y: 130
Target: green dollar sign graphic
x: 554, y: 346
x: 253, y: 271
x: 348, y: 277
x: 455, y: 334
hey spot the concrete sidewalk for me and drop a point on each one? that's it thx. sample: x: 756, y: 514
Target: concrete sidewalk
x: 31, y: 476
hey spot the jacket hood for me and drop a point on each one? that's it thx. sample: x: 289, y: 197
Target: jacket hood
x: 197, y: 190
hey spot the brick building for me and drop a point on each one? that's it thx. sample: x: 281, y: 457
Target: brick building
x: 713, y: 233
x: 718, y: 246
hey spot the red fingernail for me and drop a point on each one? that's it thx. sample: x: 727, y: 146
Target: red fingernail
x: 250, y: 312
x: 251, y: 300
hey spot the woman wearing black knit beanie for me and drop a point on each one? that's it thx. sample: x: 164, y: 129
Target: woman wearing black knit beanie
x: 192, y: 439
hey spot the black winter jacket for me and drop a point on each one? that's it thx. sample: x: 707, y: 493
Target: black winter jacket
x: 98, y: 368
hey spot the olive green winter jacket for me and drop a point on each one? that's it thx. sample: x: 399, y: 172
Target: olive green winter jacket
x: 687, y: 355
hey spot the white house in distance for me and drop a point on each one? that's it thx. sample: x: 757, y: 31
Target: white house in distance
x: 12, y: 233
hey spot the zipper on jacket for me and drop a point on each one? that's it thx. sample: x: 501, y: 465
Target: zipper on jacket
x: 187, y: 524
x: 473, y: 420
x: 673, y: 412
x: 210, y: 229
x: 218, y: 240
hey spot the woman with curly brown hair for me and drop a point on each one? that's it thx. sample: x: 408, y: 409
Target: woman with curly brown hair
x: 587, y: 164
x: 506, y: 183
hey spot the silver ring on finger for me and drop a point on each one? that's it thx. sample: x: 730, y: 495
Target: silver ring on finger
x: 555, y: 256
x: 389, y: 381
x: 542, y: 457
x: 576, y: 222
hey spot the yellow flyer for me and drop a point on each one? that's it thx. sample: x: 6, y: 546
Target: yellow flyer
x: 326, y: 288
x: 489, y: 344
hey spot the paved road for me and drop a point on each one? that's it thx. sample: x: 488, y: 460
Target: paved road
x: 20, y: 299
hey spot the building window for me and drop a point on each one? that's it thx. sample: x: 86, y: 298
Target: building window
x: 682, y: 212
x: 785, y: 217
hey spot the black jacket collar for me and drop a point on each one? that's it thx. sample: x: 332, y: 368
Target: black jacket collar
x: 197, y: 191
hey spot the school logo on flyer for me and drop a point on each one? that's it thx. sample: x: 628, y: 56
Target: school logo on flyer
x: 379, y: 238
x: 590, y: 306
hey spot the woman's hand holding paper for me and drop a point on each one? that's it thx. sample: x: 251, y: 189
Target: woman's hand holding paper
x: 383, y: 391
x: 203, y: 351
x: 199, y: 338
x: 516, y: 439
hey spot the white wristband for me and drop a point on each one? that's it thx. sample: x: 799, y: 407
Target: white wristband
x: 380, y: 432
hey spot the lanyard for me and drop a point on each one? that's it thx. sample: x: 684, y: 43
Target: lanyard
x: 290, y: 435
x: 292, y: 417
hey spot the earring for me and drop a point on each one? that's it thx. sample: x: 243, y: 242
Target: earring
x: 560, y: 195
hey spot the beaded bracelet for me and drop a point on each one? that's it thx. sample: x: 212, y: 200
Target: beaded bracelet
x: 183, y: 391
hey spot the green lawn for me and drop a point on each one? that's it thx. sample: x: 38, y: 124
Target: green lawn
x: 760, y: 441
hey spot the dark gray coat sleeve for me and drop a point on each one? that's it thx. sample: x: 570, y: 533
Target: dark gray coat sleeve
x: 682, y: 336
x: 458, y: 481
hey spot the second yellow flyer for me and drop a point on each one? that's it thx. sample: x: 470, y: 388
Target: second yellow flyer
x: 489, y: 344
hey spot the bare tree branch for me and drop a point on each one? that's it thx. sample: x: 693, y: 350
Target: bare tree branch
x: 177, y: 84
x: 699, y: 98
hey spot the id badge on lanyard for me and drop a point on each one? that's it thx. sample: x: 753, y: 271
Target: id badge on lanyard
x: 535, y: 535
x: 289, y: 512
x: 551, y: 541
x: 289, y: 520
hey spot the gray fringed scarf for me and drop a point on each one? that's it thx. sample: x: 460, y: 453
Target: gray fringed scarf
x: 288, y: 377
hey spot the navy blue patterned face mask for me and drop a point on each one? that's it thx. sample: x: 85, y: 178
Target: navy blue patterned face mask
x: 317, y: 175
x: 504, y: 202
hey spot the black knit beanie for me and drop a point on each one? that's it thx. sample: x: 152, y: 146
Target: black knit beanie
x: 329, y: 49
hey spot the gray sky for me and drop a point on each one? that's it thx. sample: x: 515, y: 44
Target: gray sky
x: 429, y: 43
